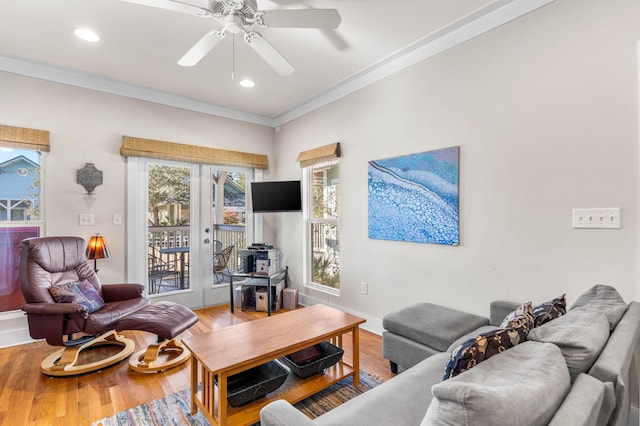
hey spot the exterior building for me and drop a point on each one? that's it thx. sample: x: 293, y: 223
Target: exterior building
x: 19, y: 189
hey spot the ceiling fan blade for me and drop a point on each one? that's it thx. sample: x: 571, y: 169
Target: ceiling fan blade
x: 201, y: 48
x: 191, y: 7
x: 269, y: 53
x: 301, y: 18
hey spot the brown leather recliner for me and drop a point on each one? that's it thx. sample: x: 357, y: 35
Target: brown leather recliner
x: 52, y: 261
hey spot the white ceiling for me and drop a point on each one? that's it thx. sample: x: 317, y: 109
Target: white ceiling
x: 140, y: 45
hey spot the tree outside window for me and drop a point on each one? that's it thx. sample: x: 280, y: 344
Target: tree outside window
x: 169, y: 195
x: 324, y: 215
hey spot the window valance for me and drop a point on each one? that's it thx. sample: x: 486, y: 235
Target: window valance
x: 149, y: 148
x: 20, y: 137
x: 319, y: 155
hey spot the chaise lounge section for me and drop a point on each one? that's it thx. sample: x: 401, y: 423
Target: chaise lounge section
x: 424, y: 329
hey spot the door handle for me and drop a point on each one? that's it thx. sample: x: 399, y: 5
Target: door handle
x: 207, y: 241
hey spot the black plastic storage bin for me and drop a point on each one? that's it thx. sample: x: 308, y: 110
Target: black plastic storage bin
x: 331, y: 354
x: 255, y: 383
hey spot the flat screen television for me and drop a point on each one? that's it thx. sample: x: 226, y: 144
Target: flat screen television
x: 277, y: 196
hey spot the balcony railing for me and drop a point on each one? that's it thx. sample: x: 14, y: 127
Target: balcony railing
x: 168, y: 236
x: 231, y: 235
x: 178, y: 236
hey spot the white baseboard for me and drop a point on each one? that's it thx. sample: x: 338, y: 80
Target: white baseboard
x: 373, y: 325
x: 634, y: 416
x: 14, y: 329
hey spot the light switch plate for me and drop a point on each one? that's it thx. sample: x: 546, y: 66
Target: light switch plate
x: 85, y: 219
x: 117, y: 219
x: 605, y: 218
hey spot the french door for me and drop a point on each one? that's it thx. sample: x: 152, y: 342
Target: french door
x: 183, y: 216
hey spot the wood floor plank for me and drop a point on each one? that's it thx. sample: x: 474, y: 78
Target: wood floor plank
x: 27, y: 397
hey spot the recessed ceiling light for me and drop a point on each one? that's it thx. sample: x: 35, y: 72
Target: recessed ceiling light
x: 247, y: 83
x: 86, y: 34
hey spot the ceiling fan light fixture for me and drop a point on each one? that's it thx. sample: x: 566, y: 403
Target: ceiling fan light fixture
x: 86, y: 34
x: 247, y: 83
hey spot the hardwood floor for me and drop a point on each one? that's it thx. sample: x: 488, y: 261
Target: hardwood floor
x: 27, y: 397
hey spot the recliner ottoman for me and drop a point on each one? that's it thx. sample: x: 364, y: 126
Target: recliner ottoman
x: 166, y: 320
x: 424, y: 329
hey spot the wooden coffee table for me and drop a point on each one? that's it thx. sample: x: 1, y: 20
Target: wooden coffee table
x: 237, y: 348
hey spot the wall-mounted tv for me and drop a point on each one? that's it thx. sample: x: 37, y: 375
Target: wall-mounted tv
x: 277, y: 196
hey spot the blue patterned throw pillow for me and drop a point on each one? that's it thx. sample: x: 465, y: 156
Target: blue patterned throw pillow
x: 83, y: 293
x: 547, y: 311
x: 482, y: 347
x: 521, y: 317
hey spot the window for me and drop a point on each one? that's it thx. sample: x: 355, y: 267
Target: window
x: 19, y: 185
x: 20, y: 216
x: 322, y: 226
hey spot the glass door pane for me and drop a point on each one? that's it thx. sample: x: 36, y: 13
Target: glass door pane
x: 168, y: 228
x: 229, y: 219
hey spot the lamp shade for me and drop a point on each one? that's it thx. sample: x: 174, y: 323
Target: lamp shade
x: 97, y: 248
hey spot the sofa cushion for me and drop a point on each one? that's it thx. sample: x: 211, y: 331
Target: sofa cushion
x: 580, y: 334
x: 589, y: 403
x: 522, y: 316
x: 550, y: 310
x: 522, y: 386
x: 482, y: 347
x: 432, y: 325
x: 401, y: 400
x: 83, y: 293
x: 605, y: 299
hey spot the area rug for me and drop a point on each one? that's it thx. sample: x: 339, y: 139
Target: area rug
x: 173, y: 410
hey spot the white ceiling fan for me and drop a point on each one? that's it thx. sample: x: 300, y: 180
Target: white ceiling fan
x: 238, y: 16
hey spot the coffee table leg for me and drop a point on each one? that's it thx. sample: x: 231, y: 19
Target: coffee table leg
x: 194, y: 384
x: 356, y: 355
x: 222, y: 399
x: 269, y: 296
x: 231, y: 294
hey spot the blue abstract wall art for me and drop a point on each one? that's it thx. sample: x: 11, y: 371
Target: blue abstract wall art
x: 414, y: 198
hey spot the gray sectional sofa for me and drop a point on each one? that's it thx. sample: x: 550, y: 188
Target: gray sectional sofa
x: 573, y: 370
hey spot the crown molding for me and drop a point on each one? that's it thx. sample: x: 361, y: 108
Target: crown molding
x: 466, y: 28
x: 101, y: 84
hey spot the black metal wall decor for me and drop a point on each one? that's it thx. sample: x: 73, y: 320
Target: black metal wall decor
x: 89, y: 177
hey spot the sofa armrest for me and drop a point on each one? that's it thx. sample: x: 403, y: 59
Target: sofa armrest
x: 282, y: 413
x: 116, y: 292
x: 500, y: 309
x: 589, y: 403
x: 614, y: 362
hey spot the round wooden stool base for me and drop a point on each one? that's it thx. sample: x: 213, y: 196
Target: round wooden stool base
x: 63, y: 362
x: 159, y: 357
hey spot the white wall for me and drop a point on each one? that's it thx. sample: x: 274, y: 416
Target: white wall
x: 545, y: 110
x: 87, y: 127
